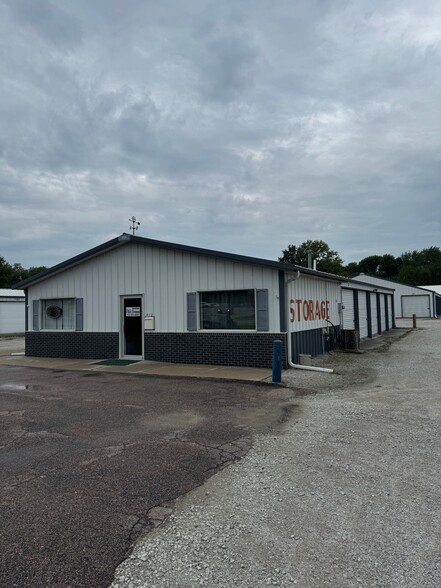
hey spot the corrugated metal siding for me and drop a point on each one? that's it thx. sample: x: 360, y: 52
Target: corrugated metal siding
x: 400, y: 290
x: 362, y: 309
x: 163, y: 277
x: 419, y: 305
x: 348, y: 309
x: 12, y: 317
x: 374, y: 321
x: 311, y: 301
x: 312, y: 342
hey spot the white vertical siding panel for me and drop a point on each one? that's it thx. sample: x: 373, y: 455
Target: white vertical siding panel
x: 238, y: 275
x: 163, y: 276
x: 149, y: 289
x: 316, y: 290
x: 172, y: 288
x: 220, y: 274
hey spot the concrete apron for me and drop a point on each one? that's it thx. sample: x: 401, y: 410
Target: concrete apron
x: 153, y: 368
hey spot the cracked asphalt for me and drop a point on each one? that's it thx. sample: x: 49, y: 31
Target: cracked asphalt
x: 90, y: 461
x: 346, y: 495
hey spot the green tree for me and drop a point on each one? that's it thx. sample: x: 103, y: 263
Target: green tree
x: 383, y: 266
x: 6, y: 273
x: 327, y: 259
x: 421, y: 267
x: 12, y: 274
x: 351, y: 269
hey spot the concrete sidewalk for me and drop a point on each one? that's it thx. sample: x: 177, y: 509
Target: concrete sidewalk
x: 145, y: 368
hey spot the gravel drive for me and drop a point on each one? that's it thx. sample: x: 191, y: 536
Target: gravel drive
x: 348, y: 494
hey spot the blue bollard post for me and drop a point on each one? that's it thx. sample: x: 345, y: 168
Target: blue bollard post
x: 277, y: 360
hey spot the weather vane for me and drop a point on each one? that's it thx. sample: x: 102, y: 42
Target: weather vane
x: 134, y: 224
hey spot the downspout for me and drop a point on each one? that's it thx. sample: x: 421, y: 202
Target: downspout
x: 297, y: 366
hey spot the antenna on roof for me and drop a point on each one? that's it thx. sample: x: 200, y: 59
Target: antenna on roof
x: 134, y: 224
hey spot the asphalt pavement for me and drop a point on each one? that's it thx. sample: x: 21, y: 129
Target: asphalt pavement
x: 89, y: 460
x: 348, y: 495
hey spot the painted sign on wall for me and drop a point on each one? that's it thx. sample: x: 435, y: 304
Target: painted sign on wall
x: 308, y: 310
x: 312, y: 303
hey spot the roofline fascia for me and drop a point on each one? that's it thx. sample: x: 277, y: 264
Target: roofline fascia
x: 126, y: 238
x: 397, y: 283
x: 71, y: 262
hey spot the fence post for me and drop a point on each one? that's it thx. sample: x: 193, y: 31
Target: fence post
x: 277, y: 361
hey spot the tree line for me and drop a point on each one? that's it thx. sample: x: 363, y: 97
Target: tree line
x: 415, y: 268
x: 11, y: 274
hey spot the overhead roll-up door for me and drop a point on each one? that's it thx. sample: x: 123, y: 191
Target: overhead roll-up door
x: 389, y: 309
x: 374, y: 321
x: 382, y: 313
x: 416, y: 304
x: 348, y: 309
x: 362, y: 311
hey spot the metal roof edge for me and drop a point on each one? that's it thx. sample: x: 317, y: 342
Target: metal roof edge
x: 126, y: 238
x: 395, y: 282
x: 233, y: 257
x: 349, y: 281
x: 69, y: 263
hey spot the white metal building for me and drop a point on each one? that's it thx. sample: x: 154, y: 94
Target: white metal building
x: 134, y: 298
x: 408, y: 300
x: 12, y: 311
x: 366, y: 308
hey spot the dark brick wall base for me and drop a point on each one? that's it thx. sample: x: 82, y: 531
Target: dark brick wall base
x: 240, y: 349
x: 78, y: 345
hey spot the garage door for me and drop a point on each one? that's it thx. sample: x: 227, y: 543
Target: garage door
x: 417, y: 304
x: 382, y: 313
x: 12, y: 317
x: 348, y: 309
x: 374, y: 314
x: 389, y: 304
x: 362, y: 310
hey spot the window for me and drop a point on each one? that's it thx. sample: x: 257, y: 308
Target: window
x: 58, y: 314
x: 233, y: 309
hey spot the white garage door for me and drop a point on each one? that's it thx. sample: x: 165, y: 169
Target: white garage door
x: 348, y: 309
x: 389, y: 307
x: 417, y: 304
x: 382, y: 313
x: 374, y: 314
x: 362, y: 311
x: 12, y: 317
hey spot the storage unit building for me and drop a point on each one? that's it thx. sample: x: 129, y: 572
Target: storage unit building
x: 437, y: 290
x: 12, y: 311
x: 366, y: 309
x: 408, y: 300
x: 137, y: 298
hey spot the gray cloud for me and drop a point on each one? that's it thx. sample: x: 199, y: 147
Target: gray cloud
x: 236, y: 126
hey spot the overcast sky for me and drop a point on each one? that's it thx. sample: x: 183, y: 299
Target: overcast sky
x: 237, y: 125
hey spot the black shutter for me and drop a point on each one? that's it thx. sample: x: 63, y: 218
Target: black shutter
x: 192, y: 317
x: 35, y: 315
x: 262, y: 310
x: 78, y: 314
